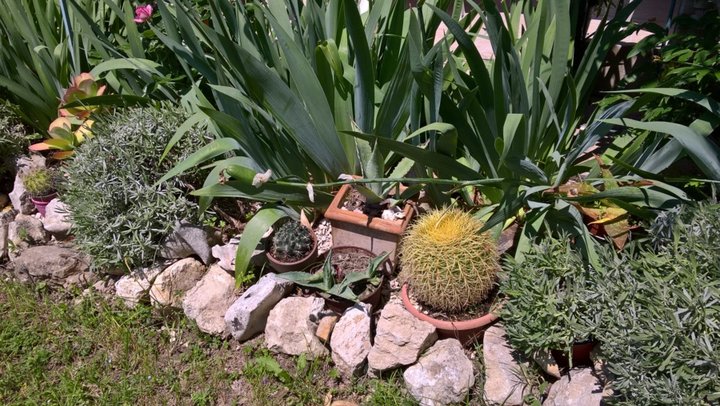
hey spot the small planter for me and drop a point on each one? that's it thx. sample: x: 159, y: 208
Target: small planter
x: 466, y: 331
x: 371, y: 233
x: 372, y: 294
x: 42, y: 202
x: 580, y: 355
x: 298, y: 265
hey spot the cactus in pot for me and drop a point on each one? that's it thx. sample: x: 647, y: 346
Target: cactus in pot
x: 293, y: 247
x: 447, y: 263
x: 40, y: 183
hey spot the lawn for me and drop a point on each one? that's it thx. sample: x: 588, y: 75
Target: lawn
x: 68, y: 349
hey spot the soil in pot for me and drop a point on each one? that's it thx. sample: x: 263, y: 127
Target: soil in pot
x: 467, y: 327
x: 346, y: 260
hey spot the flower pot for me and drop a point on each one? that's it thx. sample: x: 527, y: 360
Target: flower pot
x: 580, y: 354
x: 466, y: 331
x: 299, y: 265
x: 374, y: 234
x: 372, y: 294
x: 42, y: 202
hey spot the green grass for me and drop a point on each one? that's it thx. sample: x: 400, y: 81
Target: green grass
x: 56, y: 349
x: 94, y: 352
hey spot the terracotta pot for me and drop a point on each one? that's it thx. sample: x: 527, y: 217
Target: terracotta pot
x: 300, y: 264
x: 358, y: 230
x: 466, y: 331
x: 580, y: 354
x: 372, y: 297
x: 42, y: 202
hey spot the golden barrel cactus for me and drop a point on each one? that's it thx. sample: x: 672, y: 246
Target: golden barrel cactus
x: 448, y: 263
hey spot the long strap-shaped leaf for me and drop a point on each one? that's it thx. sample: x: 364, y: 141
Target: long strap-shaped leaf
x: 703, y: 151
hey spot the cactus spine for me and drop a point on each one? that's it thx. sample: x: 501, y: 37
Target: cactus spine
x: 447, y: 262
x: 292, y: 241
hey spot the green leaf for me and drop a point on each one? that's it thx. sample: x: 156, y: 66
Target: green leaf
x: 703, y: 152
x: 364, y: 69
x: 254, y: 230
x: 212, y: 150
x: 125, y: 63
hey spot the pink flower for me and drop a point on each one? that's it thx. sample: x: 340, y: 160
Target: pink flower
x: 143, y: 13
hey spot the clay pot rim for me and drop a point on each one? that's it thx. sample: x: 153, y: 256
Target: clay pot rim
x: 480, y: 322
x: 44, y: 199
x: 335, y: 212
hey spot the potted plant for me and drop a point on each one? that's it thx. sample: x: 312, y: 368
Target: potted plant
x: 346, y: 276
x: 293, y: 247
x: 550, y: 301
x: 364, y: 218
x: 449, y: 269
x: 40, y: 185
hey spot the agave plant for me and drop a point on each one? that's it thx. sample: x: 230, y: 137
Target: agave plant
x: 287, y: 82
x: 517, y: 126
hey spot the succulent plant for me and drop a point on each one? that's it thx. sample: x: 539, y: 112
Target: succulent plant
x: 39, y: 181
x: 292, y: 241
x: 448, y: 263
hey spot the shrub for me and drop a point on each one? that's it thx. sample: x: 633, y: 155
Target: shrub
x: 550, y: 299
x: 661, y: 316
x: 447, y: 261
x: 120, y: 216
x: 12, y: 139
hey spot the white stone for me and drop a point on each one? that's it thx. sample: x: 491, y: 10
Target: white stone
x: 188, y: 239
x: 27, y: 230
x: 207, y: 302
x: 443, y: 375
x: 19, y: 197
x: 225, y: 254
x: 6, y: 217
x: 57, y: 266
x: 503, y: 385
x: 547, y: 362
x: 171, y: 285
x: 248, y: 315
x: 350, y: 340
x: 291, y: 327
x: 580, y: 387
x: 133, y: 288
x: 399, y: 340
x: 56, y: 220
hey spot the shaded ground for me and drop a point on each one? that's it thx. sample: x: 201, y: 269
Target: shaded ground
x: 56, y: 348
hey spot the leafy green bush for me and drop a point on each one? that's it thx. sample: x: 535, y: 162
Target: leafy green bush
x: 551, y: 302
x: 12, y: 138
x: 120, y: 216
x: 661, y: 316
x: 688, y: 58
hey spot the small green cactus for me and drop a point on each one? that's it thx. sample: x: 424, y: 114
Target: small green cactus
x: 39, y: 182
x: 292, y: 241
x: 447, y: 262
